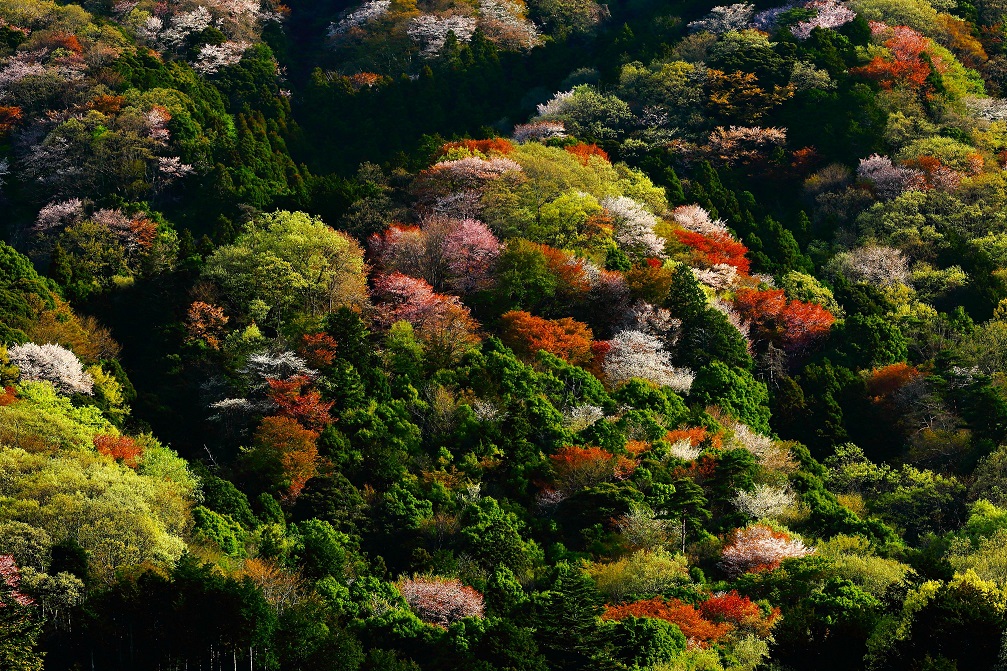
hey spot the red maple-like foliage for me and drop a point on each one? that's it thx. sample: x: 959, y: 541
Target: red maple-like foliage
x: 567, y: 338
x: 715, y: 248
x: 794, y: 325
x: 905, y: 67
x: 121, y: 448
x: 318, y: 349
x: 578, y: 467
x: 497, y: 145
x: 584, y: 152
x: 295, y: 402
x: 286, y: 443
x: 8, y: 396
x: 739, y: 611
x: 697, y: 629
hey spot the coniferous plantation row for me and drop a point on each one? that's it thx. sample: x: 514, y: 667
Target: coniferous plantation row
x: 477, y: 335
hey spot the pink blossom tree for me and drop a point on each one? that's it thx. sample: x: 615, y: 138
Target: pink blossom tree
x: 441, y: 601
x: 635, y: 354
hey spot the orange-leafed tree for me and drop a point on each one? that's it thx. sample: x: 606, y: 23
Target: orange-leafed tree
x: 9, y: 116
x: 793, y: 325
x: 206, y: 323
x: 740, y: 612
x: 284, y: 456
x: 697, y: 629
x: 584, y: 152
x: 577, y: 467
x: 121, y: 448
x: 318, y: 349
x: 567, y: 338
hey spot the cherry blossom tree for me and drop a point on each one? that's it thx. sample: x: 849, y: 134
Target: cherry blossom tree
x: 694, y: 218
x: 634, y: 354
x: 431, y: 31
x: 538, y: 131
x: 212, y: 57
x: 886, y: 179
x: 52, y: 363
x: 759, y: 548
x: 634, y: 227
x: 724, y: 18
x: 367, y: 12
x: 504, y: 22
x: 831, y: 14
x: 57, y: 214
x: 764, y: 501
x: 10, y: 574
x: 441, y: 601
x: 875, y: 264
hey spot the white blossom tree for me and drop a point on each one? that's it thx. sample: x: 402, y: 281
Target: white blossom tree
x: 764, y: 501
x: 51, y: 363
x: 634, y: 354
x: 634, y: 227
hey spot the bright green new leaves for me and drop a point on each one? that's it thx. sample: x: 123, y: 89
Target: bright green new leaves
x: 289, y: 265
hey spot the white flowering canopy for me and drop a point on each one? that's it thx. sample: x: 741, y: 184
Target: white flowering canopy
x: 51, y: 363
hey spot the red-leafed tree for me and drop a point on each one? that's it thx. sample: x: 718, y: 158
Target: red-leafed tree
x: 578, y: 467
x: 567, y: 338
x: 295, y: 400
x: 318, y: 349
x: 714, y: 248
x: 496, y: 145
x: 883, y: 382
x: 696, y: 435
x: 905, y: 66
x: 121, y: 448
x: 740, y: 612
x: 793, y: 325
x: 8, y: 395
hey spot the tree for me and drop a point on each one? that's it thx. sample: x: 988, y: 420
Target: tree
x: 51, y: 363
x: 284, y: 456
x: 567, y: 338
x: 20, y: 626
x: 634, y: 354
x: 566, y: 619
x: 735, y: 391
x: 441, y: 601
x: 290, y: 264
x: 759, y: 548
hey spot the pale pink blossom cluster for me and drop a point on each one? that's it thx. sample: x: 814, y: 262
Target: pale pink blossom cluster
x: 411, y: 299
x: 156, y: 121
x: 181, y: 26
x: 831, y: 14
x: 472, y: 170
x: 718, y: 277
x: 11, y: 577
x: 538, y: 131
x: 441, y: 601
x: 655, y: 321
x: 20, y: 67
x: 875, y: 264
x: 634, y: 227
x: 431, y: 31
x: 213, y: 57
x: 887, y: 179
x: 52, y: 363
x: 448, y: 253
x: 367, y: 12
x: 635, y: 354
x: 172, y: 168
x: 728, y: 310
x: 558, y: 104
x: 695, y: 218
x: 760, y: 548
x: 58, y: 214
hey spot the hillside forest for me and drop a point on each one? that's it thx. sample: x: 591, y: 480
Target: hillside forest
x: 503, y: 335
